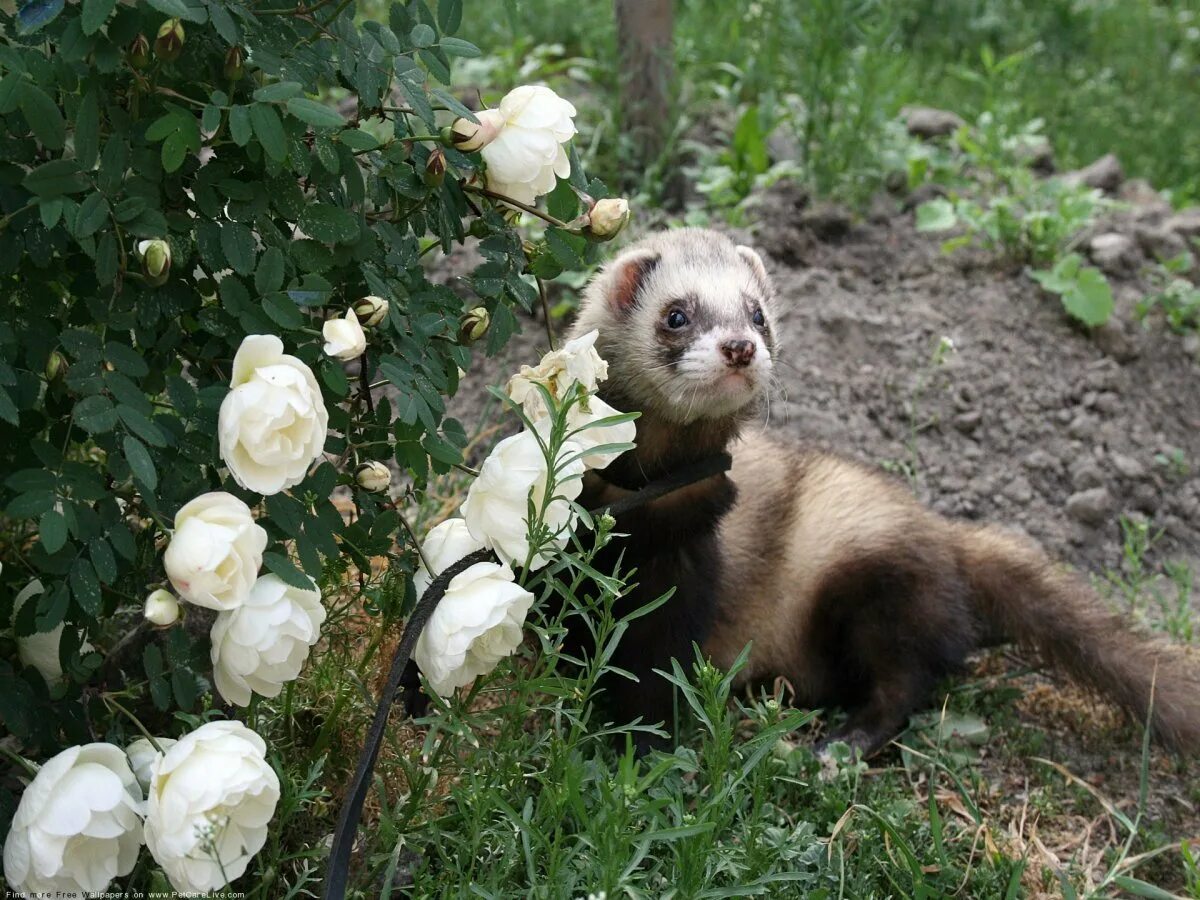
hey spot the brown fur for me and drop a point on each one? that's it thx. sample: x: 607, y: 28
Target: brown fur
x: 844, y: 584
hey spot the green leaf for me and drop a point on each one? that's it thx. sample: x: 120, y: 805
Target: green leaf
x: 160, y: 689
x: 52, y: 531
x: 95, y: 12
x: 93, y: 212
x: 239, y: 125
x: 314, y: 113
x: 140, y: 425
x: 237, y: 242
x: 279, y: 91
x: 1140, y: 888
x: 454, y: 47
x: 191, y: 12
x: 357, y: 139
x: 268, y: 277
x: 450, y: 15
x: 31, y: 504
x: 1090, y: 300
x: 140, y: 462
x: 936, y: 215
x: 283, y: 567
x: 282, y: 311
x: 87, y: 131
x: 55, y: 178
x: 329, y: 224
x: 85, y: 586
x: 10, y: 94
x: 43, y: 116
x: 422, y: 36
x: 95, y: 414
x: 269, y: 130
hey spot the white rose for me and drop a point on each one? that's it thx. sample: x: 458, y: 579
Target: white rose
x: 143, y: 758
x: 262, y: 645
x: 210, y: 800
x: 273, y: 421
x: 216, y: 550
x: 581, y: 431
x: 477, y: 623
x: 575, y: 362
x: 40, y: 649
x: 496, y: 508
x: 527, y: 154
x: 469, y: 136
x: 78, y: 825
x: 344, y: 338
x: 162, y: 608
x: 445, y: 545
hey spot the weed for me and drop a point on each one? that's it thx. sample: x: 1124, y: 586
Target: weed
x: 1138, y: 583
x: 1176, y: 297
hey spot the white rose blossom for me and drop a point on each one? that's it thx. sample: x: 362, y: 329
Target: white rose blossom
x: 263, y: 644
x: 575, y: 362
x: 78, y: 825
x: 480, y: 619
x: 581, y: 431
x: 496, y: 508
x: 40, y: 649
x: 143, y: 758
x: 215, y: 553
x: 210, y: 800
x: 273, y: 422
x: 344, y: 337
x: 526, y: 156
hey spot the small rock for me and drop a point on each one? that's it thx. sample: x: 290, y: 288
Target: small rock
x: 922, y: 193
x: 1128, y: 467
x: 1040, y: 460
x: 1115, y: 341
x: 926, y: 122
x: 1090, y: 507
x: 1082, y: 427
x: 1107, y: 403
x: 827, y: 221
x: 1159, y: 242
x: 1148, y: 204
x: 967, y: 422
x: 1086, y: 473
x: 1018, y: 490
x: 1105, y: 174
x: 1185, y: 223
x: 1144, y: 499
x: 1038, y: 155
x: 1115, y: 253
x: 1191, y: 344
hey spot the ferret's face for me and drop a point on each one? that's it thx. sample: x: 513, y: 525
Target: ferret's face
x: 688, y: 329
x: 712, y: 348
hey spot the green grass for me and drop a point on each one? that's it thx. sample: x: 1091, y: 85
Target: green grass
x: 1104, y: 76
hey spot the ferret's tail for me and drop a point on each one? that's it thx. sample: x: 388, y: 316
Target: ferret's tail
x: 1024, y: 597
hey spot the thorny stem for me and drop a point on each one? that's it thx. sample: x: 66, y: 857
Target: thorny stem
x: 30, y: 768
x: 517, y: 204
x: 412, y: 536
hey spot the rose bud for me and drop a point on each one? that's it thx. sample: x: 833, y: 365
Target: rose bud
x: 156, y: 261
x: 469, y: 136
x: 162, y: 608
x: 55, y: 365
x: 169, y: 42
x: 371, y: 311
x: 235, y: 64
x: 138, y: 52
x: 473, y: 325
x: 607, y: 218
x: 435, y: 168
x: 373, y: 476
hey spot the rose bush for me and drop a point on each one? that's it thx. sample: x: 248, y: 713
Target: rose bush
x: 182, y: 215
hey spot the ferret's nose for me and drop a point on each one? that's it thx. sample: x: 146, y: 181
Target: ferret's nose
x: 738, y: 354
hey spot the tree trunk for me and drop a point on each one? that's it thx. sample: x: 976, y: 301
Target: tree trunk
x: 644, y: 41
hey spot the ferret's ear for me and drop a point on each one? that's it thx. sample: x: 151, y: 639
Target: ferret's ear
x: 755, y: 262
x: 629, y: 277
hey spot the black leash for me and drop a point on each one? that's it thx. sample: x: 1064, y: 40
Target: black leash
x: 403, y: 672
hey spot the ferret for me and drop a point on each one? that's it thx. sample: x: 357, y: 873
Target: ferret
x: 842, y: 582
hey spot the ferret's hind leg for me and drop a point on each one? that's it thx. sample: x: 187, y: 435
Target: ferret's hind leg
x: 887, y: 629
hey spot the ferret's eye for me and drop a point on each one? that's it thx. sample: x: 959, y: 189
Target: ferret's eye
x: 759, y: 319
x: 676, y: 319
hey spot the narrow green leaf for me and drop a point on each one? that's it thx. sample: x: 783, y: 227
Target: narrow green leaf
x: 52, y: 530
x: 85, y: 586
x: 269, y: 130
x: 316, y: 114
x: 279, y: 91
x: 237, y: 242
x: 140, y: 462
x: 95, y: 13
x: 239, y: 125
x: 280, y: 565
x: 329, y: 224
x: 450, y: 14
x: 268, y: 277
x: 43, y: 116
x: 87, y: 131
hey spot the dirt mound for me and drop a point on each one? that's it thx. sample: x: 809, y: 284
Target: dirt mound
x: 1029, y: 421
